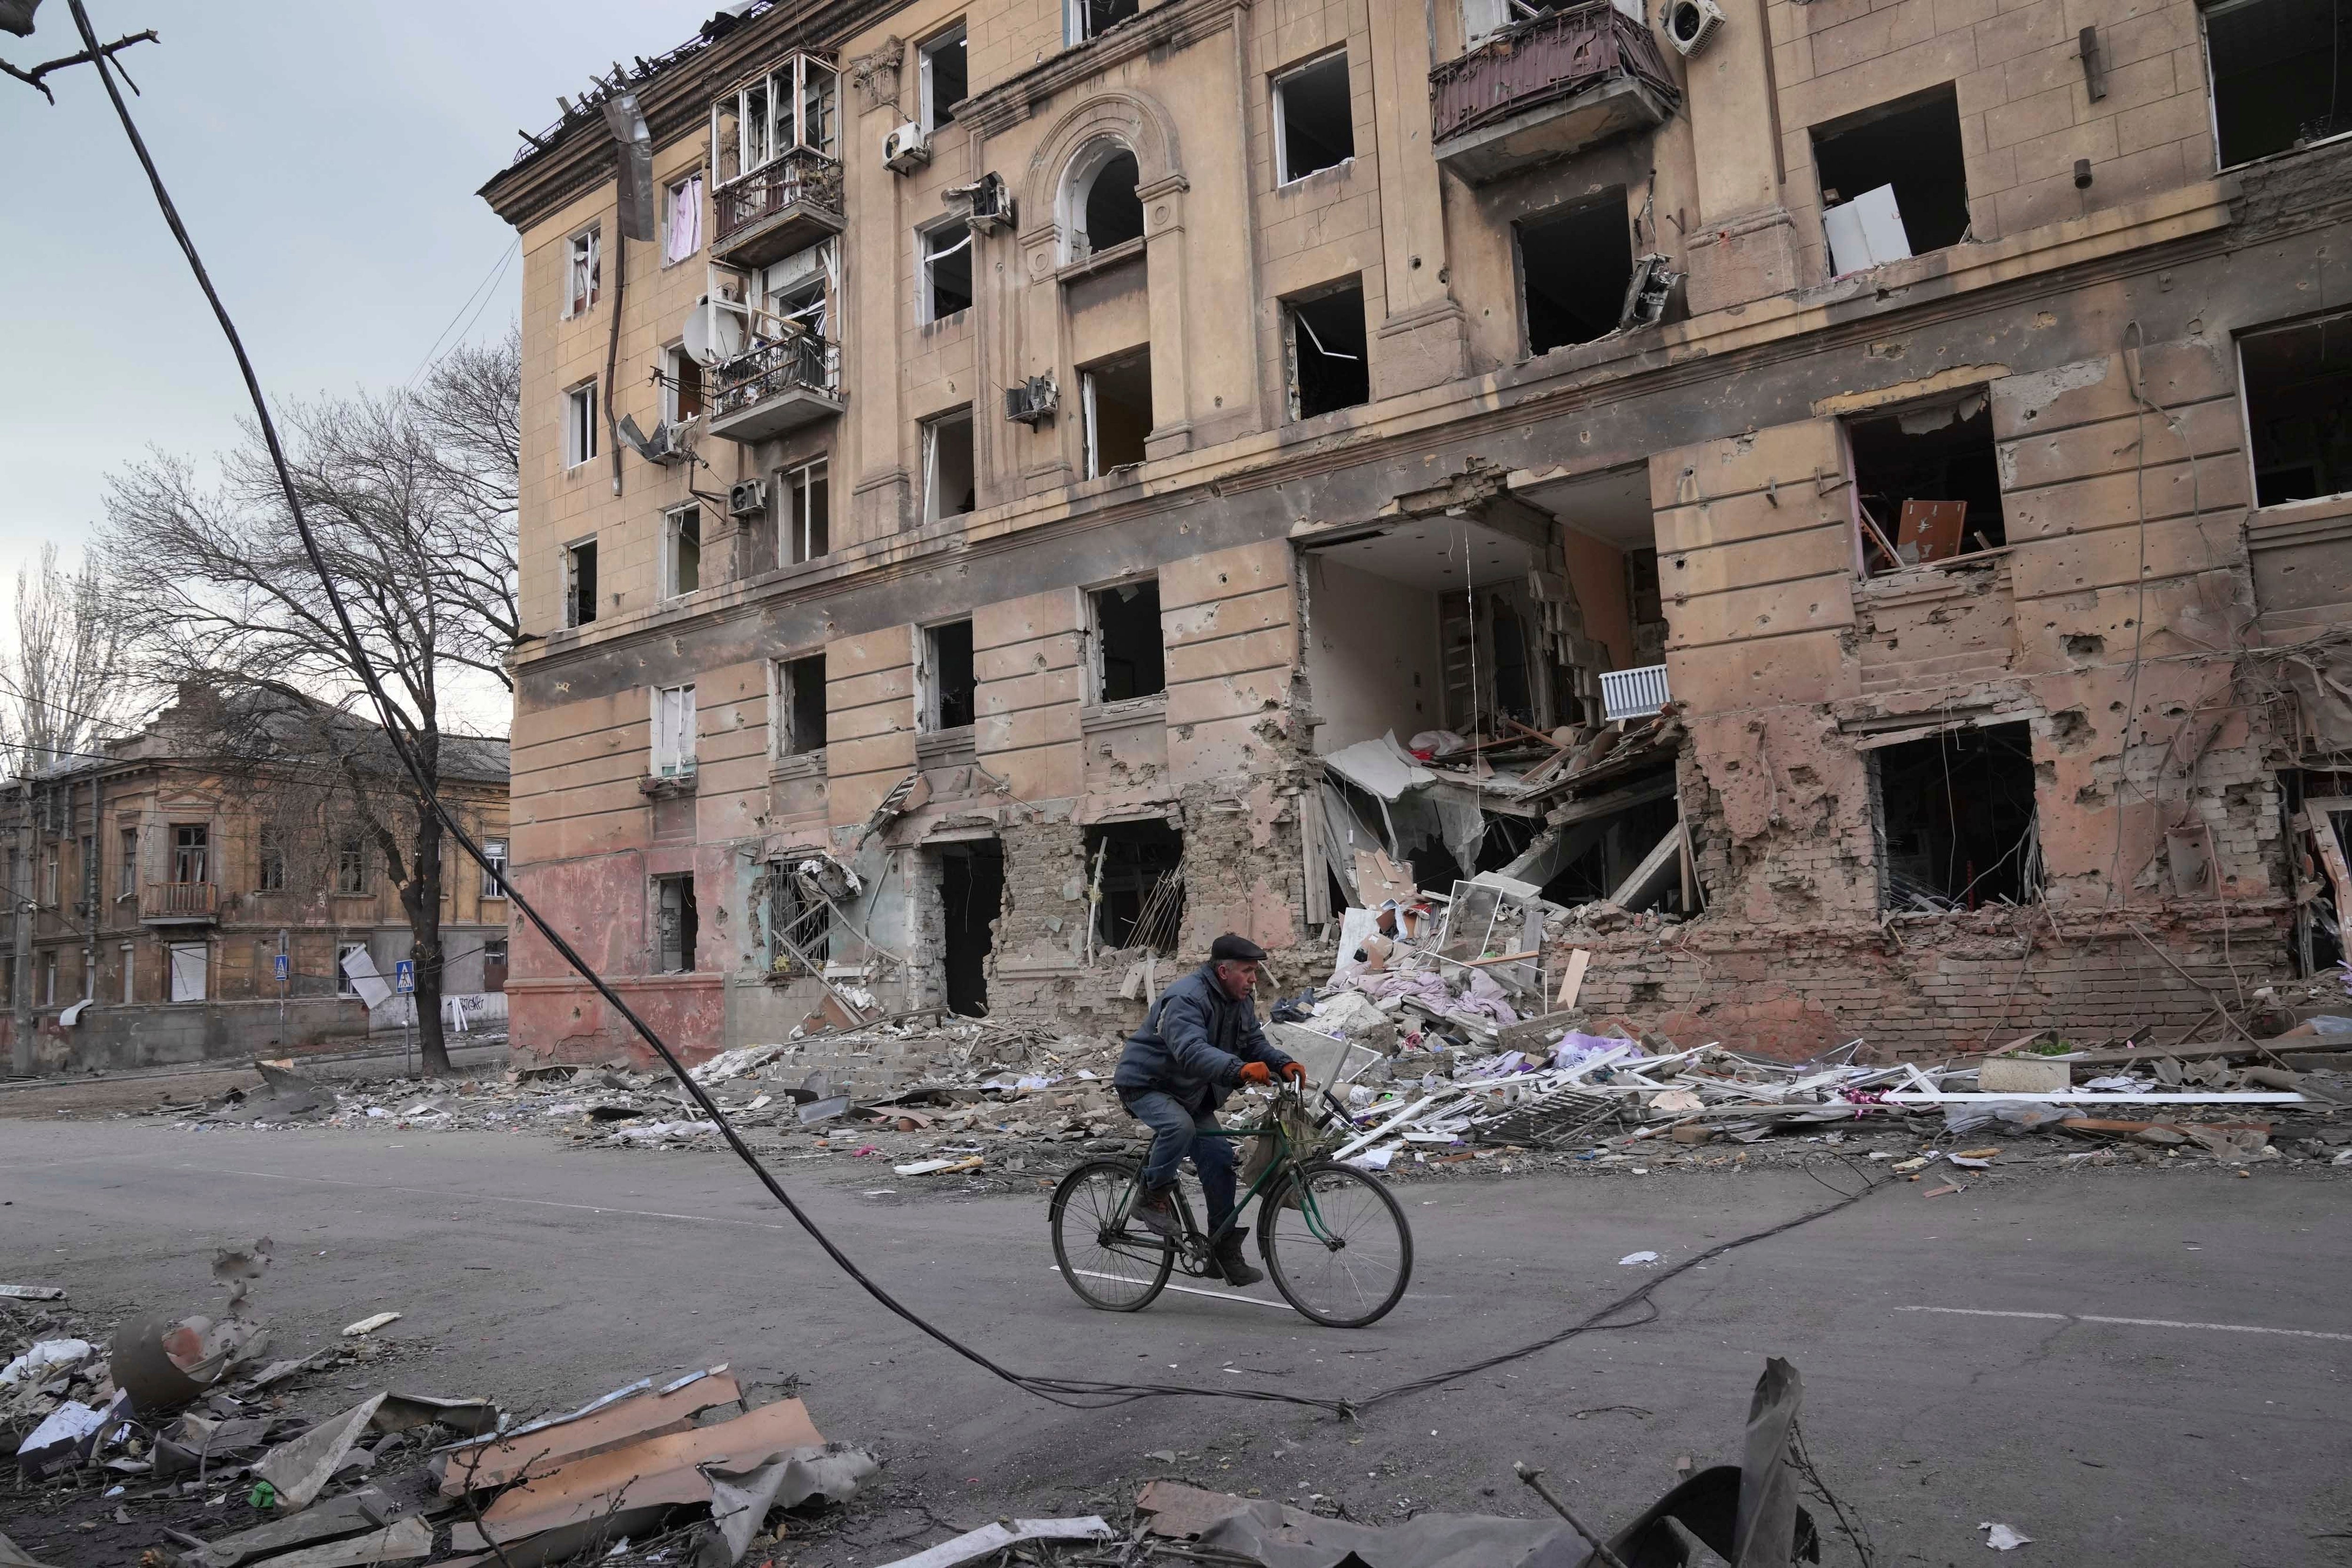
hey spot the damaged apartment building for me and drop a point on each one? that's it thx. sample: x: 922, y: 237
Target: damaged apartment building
x: 1853, y: 503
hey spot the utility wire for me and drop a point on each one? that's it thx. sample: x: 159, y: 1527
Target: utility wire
x: 1075, y: 1393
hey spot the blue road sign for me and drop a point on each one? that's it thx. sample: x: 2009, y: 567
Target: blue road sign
x: 280, y: 964
x: 403, y: 976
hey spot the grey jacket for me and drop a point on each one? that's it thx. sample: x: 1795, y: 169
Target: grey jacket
x: 1194, y: 1042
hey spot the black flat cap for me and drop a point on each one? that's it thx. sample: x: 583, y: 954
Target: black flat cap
x: 1236, y: 949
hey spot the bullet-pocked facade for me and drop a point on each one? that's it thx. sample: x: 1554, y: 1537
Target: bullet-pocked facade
x: 1053, y: 427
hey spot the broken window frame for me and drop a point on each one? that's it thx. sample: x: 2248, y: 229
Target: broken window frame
x: 787, y: 691
x: 344, y: 985
x: 1085, y: 19
x: 934, y: 428
x: 584, y: 271
x: 794, y: 106
x: 1837, y: 127
x: 681, y: 195
x: 804, y: 533
x: 2031, y: 871
x: 681, y: 550
x: 1090, y: 438
x: 581, y: 433
x: 1293, y: 324
x: 682, y: 396
x: 1599, y: 205
x: 191, y: 854
x: 2260, y: 445
x: 796, y: 917
x: 579, y: 582
x: 1871, y: 560
x: 2223, y: 163
x: 933, y: 713
x: 935, y: 113
x: 1284, y: 173
x: 1085, y: 167
x: 1098, y: 645
x: 932, y: 248
x: 671, y: 711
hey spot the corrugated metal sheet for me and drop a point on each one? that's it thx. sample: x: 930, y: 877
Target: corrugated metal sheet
x: 1549, y: 57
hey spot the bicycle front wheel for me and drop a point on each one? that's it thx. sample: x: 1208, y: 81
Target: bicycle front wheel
x: 1336, y: 1245
x: 1104, y: 1251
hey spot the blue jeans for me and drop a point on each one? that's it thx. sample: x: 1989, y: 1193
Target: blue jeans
x: 1175, y: 1135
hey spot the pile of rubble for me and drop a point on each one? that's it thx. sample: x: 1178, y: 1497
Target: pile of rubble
x: 178, y: 1445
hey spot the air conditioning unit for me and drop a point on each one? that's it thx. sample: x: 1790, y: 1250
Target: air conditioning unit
x: 1034, y: 402
x: 747, y: 499
x: 1691, y: 24
x: 666, y: 445
x: 903, y: 151
x: 989, y: 201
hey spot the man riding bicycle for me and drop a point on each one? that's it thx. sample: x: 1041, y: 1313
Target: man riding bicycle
x: 1199, y: 1041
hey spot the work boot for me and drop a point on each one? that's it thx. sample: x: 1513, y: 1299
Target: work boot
x: 1229, y: 1259
x: 1156, y: 1214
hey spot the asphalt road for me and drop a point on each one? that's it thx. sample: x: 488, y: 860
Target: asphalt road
x: 1954, y: 1371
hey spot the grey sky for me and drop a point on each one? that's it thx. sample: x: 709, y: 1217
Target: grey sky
x: 325, y: 154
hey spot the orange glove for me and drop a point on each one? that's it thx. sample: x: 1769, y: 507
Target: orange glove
x: 1257, y: 1073
x: 1294, y: 1073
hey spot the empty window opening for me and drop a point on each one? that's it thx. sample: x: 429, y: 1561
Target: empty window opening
x: 947, y: 269
x: 681, y: 385
x: 1574, y: 267
x: 1136, y: 872
x: 1912, y: 150
x: 1099, y: 206
x: 673, y: 721
x: 948, y: 488
x: 1314, y: 119
x: 972, y: 895
x: 1117, y: 395
x: 1085, y: 19
x: 579, y: 425
x: 675, y: 924
x: 1601, y: 854
x: 1955, y: 819
x: 799, y: 702
x: 1925, y: 483
x: 2277, y: 74
x: 583, y: 273
x: 494, y: 963
x: 681, y: 551
x: 2298, y: 383
x: 945, y: 79
x: 1132, y: 659
x: 580, y: 583
x: 808, y: 509
x: 947, y: 675
x: 1328, y: 352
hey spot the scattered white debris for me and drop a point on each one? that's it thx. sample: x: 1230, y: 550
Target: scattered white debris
x: 366, y: 1326
x: 2003, y: 1537
x: 1637, y: 1259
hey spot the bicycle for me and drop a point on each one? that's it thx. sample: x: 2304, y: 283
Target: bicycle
x: 1334, y: 1240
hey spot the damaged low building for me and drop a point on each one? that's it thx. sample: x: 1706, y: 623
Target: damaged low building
x: 1858, y: 530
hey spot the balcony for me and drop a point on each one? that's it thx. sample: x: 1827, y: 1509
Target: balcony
x: 776, y: 386
x: 1546, y: 88
x: 785, y: 205
x: 180, y: 903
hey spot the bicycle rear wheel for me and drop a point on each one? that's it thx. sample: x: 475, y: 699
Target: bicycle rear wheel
x: 1105, y: 1253
x: 1336, y: 1245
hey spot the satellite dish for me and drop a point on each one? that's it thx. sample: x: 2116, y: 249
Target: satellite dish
x: 711, y: 334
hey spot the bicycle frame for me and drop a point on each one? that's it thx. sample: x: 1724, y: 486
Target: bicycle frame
x: 1284, y: 1162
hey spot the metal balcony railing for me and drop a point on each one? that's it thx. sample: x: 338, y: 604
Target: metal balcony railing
x: 180, y: 901
x: 802, y: 362
x: 1553, y: 56
x: 792, y: 178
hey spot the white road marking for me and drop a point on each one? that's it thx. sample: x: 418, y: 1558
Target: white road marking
x: 1195, y: 1290
x: 2128, y: 1322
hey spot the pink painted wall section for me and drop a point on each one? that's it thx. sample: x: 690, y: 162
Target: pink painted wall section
x: 1596, y: 569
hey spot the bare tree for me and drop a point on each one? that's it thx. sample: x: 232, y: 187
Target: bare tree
x: 414, y: 516
x: 63, y: 686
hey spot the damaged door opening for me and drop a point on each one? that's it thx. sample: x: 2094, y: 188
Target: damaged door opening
x: 971, y: 894
x: 675, y: 923
x: 1135, y: 870
x: 1955, y: 819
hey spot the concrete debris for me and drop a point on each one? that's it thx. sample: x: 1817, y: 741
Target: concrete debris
x: 402, y: 1540
x: 368, y: 1325
x: 14, y: 1556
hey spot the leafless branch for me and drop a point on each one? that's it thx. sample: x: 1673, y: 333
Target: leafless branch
x: 32, y: 78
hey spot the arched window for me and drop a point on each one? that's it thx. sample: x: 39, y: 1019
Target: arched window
x: 1099, y: 206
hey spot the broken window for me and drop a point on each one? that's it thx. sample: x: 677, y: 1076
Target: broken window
x: 798, y: 918
x: 127, y: 878
x: 1135, y: 873
x: 1117, y: 398
x: 808, y: 509
x: 1084, y: 19
x: 800, y: 705
x: 948, y: 486
x: 1574, y: 265
x: 681, y: 551
x: 682, y: 227
x: 579, y: 425
x: 2298, y: 385
x: 350, y: 864
x: 796, y: 293
x: 1130, y: 658
x: 681, y: 385
x: 675, y: 922
x: 1893, y: 182
x: 1314, y: 119
x: 1926, y: 485
x: 344, y: 952
x: 1326, y: 351
x: 493, y: 875
x: 946, y: 676
x: 2275, y: 64
x: 1956, y: 819
x: 580, y: 583
x: 673, y: 720
x: 583, y: 272
x: 1099, y: 206
x: 191, y: 846
x: 946, y: 251
x: 944, y: 77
